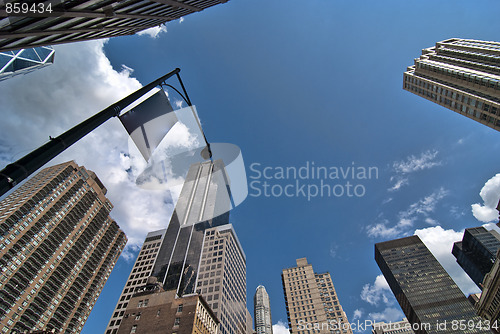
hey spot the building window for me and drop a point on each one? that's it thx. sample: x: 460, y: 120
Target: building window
x: 179, y: 308
x: 138, y: 316
x: 134, y: 329
x: 177, y: 321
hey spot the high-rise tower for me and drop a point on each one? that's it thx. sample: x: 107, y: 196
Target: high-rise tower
x: 72, y: 21
x: 262, y: 311
x: 58, y: 246
x: 424, y: 290
x: 462, y: 75
x: 199, y: 253
x: 476, y: 252
x: 23, y: 61
x: 311, y: 301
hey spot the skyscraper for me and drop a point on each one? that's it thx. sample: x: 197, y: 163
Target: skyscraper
x: 23, y: 61
x: 72, y: 21
x: 476, y: 252
x: 311, y: 301
x: 424, y: 290
x: 489, y: 301
x: 58, y: 246
x: 262, y: 311
x: 198, y: 253
x: 462, y: 75
x: 142, y: 269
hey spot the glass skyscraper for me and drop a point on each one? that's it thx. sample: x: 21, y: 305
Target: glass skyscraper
x: 197, y: 253
x: 476, y: 252
x: 462, y: 75
x: 426, y: 293
x: 23, y: 61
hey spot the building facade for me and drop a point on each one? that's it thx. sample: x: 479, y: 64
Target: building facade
x: 311, y: 301
x: 262, y: 311
x: 58, y: 246
x: 428, y: 296
x: 24, y: 61
x: 476, y: 252
x: 142, y: 269
x: 397, y: 327
x: 156, y: 311
x: 59, y: 22
x: 488, y: 306
x: 462, y: 75
x: 197, y: 254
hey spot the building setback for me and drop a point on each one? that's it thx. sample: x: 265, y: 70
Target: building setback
x: 57, y: 22
x: 311, y: 301
x: 262, y: 311
x: 462, y: 75
x: 476, y: 252
x: 141, y: 270
x: 58, y: 246
x: 424, y: 290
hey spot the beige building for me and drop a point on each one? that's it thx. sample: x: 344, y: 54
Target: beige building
x: 155, y: 311
x: 58, y: 246
x: 462, y: 75
x: 488, y: 306
x: 141, y: 270
x: 312, y: 304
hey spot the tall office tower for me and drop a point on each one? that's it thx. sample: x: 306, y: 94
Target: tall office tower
x: 141, y: 270
x: 423, y: 289
x: 58, y: 246
x: 249, y: 323
x: 476, y: 252
x: 488, y: 306
x: 262, y: 311
x: 23, y: 61
x: 201, y: 254
x: 397, y: 327
x: 311, y: 301
x: 462, y: 75
x: 56, y: 22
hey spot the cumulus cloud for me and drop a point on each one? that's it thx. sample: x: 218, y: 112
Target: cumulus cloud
x: 153, y: 32
x: 389, y: 314
x: 280, y: 328
x: 412, y: 164
x: 357, y: 314
x: 440, y: 242
x: 377, y: 292
x: 50, y: 101
x: 490, y: 193
x: 407, y: 218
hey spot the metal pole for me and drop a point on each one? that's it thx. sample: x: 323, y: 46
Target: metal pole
x: 17, y: 171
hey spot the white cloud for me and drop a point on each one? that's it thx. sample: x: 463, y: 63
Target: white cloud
x: 389, y: 314
x: 440, y: 242
x: 280, y: 328
x: 181, y: 20
x: 153, y: 32
x: 490, y: 193
x: 357, y: 314
x: 412, y: 164
x: 406, y: 219
x: 48, y: 102
x: 376, y: 292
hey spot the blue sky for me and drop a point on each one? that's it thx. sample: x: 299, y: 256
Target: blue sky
x: 290, y: 83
